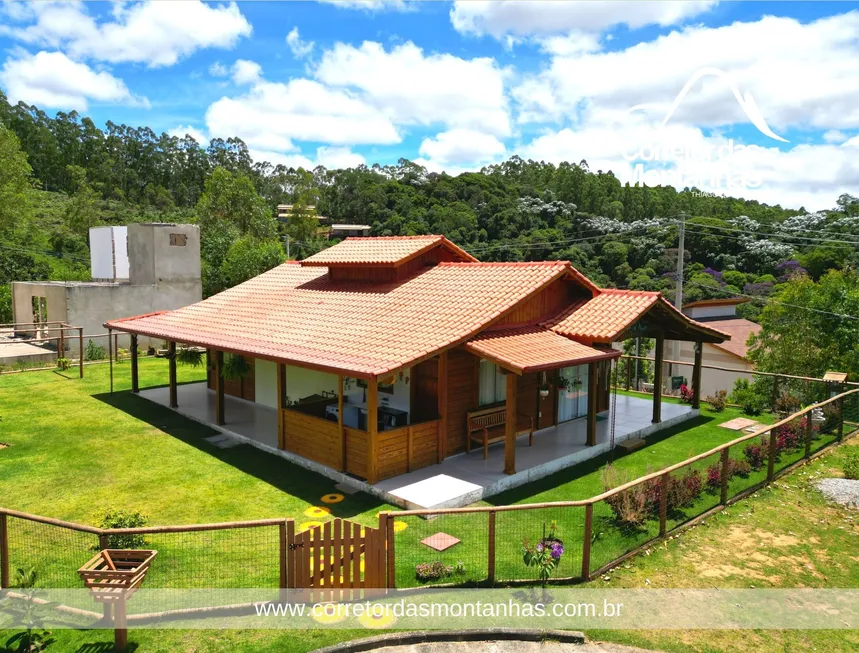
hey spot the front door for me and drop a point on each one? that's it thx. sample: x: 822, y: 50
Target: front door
x: 573, y: 397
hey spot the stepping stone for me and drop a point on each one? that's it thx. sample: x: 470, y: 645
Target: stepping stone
x: 738, y: 423
x: 346, y: 488
x: 440, y: 541
x: 631, y: 444
x: 222, y: 441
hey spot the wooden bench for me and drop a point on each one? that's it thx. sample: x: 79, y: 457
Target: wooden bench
x: 489, y: 425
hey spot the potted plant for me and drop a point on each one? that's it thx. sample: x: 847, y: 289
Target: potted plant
x: 236, y: 367
x: 544, y: 389
x: 192, y: 356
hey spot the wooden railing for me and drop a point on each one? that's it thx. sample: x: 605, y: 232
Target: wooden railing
x: 407, y: 448
x: 318, y: 439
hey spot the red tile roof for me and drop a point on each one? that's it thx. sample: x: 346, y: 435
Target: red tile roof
x: 534, y: 349
x: 297, y: 314
x: 605, y: 317
x: 739, y: 329
x: 383, y: 251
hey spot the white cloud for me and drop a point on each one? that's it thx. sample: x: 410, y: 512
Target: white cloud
x: 332, y: 158
x: 853, y: 142
x: 834, y: 136
x: 218, y: 69
x: 155, y: 33
x: 413, y: 88
x: 271, y: 115
x: 462, y: 147
x: 799, y: 75
x: 372, y: 5
x: 51, y: 79
x: 246, y: 72
x: 299, y: 48
x: 542, y: 17
x: 180, y: 131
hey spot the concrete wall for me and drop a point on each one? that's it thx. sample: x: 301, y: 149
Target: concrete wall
x: 22, y: 302
x: 719, y: 310
x: 711, y: 380
x: 153, y: 259
x: 265, y: 383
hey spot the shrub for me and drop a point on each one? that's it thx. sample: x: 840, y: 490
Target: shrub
x: 683, y: 490
x: 427, y: 571
x: 714, y: 477
x: 64, y: 363
x: 745, y: 396
x: 785, y: 404
x: 740, y: 468
x: 755, y: 455
x: 851, y: 464
x: 123, y: 519
x: 93, y: 351
x: 718, y: 401
x: 685, y: 394
x: 790, y: 437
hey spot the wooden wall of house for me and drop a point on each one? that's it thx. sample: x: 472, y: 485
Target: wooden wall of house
x: 243, y: 388
x: 545, y: 304
x: 461, y: 396
x: 424, y: 391
x: 526, y: 400
x: 313, y: 438
x: 356, y: 451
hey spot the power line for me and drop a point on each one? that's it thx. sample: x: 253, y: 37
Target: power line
x: 779, y: 235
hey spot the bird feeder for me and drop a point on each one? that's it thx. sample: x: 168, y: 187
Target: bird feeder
x: 112, y: 576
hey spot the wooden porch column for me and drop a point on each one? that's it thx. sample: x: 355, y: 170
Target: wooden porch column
x: 696, y: 375
x: 511, y: 418
x: 219, y: 389
x: 373, y: 430
x: 135, y: 380
x: 657, y: 379
x: 441, y: 443
x: 593, y: 394
x: 281, y: 405
x: 171, y: 358
x: 342, y: 435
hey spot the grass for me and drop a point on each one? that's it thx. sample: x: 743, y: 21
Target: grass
x: 77, y: 451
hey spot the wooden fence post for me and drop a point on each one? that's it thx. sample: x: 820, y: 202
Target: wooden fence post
x: 290, y: 553
x: 725, y: 475
x: 491, y: 549
x: 809, y: 432
x: 4, y: 551
x: 628, y: 374
x: 775, y: 391
x: 81, y: 352
x: 586, y: 542
x: 663, y: 504
x: 282, y: 537
x: 771, y: 456
x: 386, y: 534
x: 840, y: 404
x: 104, y: 543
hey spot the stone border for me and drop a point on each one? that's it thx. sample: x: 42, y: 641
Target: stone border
x: 466, y: 635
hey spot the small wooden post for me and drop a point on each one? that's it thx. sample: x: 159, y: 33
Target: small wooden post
x: 373, y: 430
x: 726, y: 472
x: 657, y: 379
x: 4, y: 551
x: 593, y: 393
x: 115, y: 344
x: 586, y: 542
x: 290, y: 553
x: 61, y: 350
x: 110, y: 358
x: 441, y: 441
x: 220, y: 412
x: 104, y: 543
x: 809, y: 432
x: 281, y: 405
x: 771, y: 456
x: 171, y: 360
x: 511, y: 418
x: 628, y: 374
x: 491, y: 549
x: 840, y: 404
x: 663, y: 503
x: 81, y: 352
x: 775, y: 390
x: 696, y: 375
x: 120, y: 626
x: 135, y: 379
x: 283, y: 537
x: 386, y: 532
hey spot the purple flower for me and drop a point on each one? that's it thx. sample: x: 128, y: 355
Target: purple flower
x: 713, y: 273
x: 557, y: 550
x: 539, y: 548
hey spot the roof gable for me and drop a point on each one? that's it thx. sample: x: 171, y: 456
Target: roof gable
x: 388, y: 251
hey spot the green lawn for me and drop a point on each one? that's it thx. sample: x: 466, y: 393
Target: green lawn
x: 77, y: 451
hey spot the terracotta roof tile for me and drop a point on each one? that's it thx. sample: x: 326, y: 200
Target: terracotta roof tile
x: 384, y: 251
x: 740, y: 329
x: 297, y: 314
x: 533, y: 349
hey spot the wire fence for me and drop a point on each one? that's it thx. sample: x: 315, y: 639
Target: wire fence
x: 483, y: 545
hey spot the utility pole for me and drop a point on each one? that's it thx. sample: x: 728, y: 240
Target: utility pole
x: 678, y: 290
x: 287, y: 246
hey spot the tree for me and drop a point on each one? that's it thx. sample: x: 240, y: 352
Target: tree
x: 81, y: 211
x: 230, y: 199
x: 16, y: 204
x: 249, y: 257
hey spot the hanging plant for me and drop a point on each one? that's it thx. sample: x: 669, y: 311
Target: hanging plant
x: 236, y: 367
x: 189, y: 356
x: 564, y: 383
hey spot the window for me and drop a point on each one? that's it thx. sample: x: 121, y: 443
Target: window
x: 492, y: 384
x: 178, y: 240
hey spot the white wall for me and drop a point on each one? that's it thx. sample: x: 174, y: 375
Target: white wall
x: 719, y: 310
x: 265, y: 383
x: 301, y: 382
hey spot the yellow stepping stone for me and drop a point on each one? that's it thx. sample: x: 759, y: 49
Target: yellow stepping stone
x: 317, y: 512
x: 333, y: 497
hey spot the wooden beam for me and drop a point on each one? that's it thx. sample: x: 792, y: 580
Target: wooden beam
x: 81, y: 352
x: 135, y: 378
x: 657, y: 379
x: 340, y: 431
x: 373, y: 431
x: 219, y: 389
x: 593, y: 395
x: 696, y: 375
x: 171, y: 358
x: 110, y: 358
x: 441, y: 441
x: 281, y: 405
x: 511, y: 418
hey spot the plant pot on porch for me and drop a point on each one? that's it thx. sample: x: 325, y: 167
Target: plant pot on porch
x: 544, y: 392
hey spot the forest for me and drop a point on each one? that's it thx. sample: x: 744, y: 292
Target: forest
x: 61, y: 175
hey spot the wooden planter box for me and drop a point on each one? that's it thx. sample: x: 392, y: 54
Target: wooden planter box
x: 113, y: 573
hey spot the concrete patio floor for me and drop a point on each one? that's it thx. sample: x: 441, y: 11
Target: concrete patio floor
x: 458, y: 480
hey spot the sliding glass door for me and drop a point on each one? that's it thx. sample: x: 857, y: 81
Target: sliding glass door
x: 573, y: 393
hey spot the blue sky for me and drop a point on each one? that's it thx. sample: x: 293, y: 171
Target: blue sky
x: 458, y: 85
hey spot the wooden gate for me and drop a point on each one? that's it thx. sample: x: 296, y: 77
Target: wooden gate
x: 338, y: 554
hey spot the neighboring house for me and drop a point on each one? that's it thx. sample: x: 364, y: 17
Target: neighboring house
x: 349, y: 230
x: 732, y: 354
x: 385, y: 355
x: 138, y: 268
